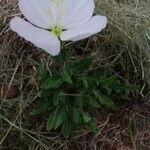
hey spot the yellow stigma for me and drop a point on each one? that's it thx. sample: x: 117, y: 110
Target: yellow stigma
x: 57, y: 30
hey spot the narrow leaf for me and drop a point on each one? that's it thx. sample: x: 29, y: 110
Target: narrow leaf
x: 66, y: 74
x: 52, y: 82
x: 67, y: 128
x: 76, y: 115
x: 104, y: 100
x: 55, y: 119
x: 82, y: 64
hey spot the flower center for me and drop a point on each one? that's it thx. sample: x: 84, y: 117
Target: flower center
x: 57, y: 30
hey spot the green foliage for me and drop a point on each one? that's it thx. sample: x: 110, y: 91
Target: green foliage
x: 74, y: 93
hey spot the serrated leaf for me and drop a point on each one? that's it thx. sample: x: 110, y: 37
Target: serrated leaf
x: 55, y: 120
x: 104, y: 100
x: 121, y: 87
x: 105, y: 80
x: 67, y: 128
x: 66, y: 74
x: 113, y: 84
x: 58, y: 120
x: 76, y: 115
x: 52, y: 82
x: 82, y: 64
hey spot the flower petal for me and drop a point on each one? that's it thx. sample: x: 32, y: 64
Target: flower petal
x: 75, y: 12
x: 39, y: 37
x: 93, y: 26
x: 42, y: 13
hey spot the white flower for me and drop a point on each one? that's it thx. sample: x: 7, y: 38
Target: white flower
x: 53, y: 20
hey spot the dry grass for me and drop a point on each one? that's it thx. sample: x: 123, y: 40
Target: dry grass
x: 123, y: 48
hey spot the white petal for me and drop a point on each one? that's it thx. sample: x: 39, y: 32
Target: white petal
x: 93, y: 26
x: 39, y: 37
x: 75, y: 12
x: 42, y: 13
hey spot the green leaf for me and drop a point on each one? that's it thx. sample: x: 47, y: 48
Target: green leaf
x: 94, y: 103
x: 80, y: 101
x: 86, y: 117
x: 105, y: 80
x: 104, y: 100
x: 108, y: 89
x: 55, y: 120
x: 66, y: 74
x: 52, y: 82
x: 82, y: 64
x: 63, y: 56
x: 41, y: 71
x: 42, y: 107
x: 85, y: 83
x: 50, y: 122
x: 58, y: 121
x: 113, y: 84
x: 58, y: 98
x: 92, y: 126
x: 121, y: 87
x: 75, y: 92
x: 76, y: 115
x: 67, y: 128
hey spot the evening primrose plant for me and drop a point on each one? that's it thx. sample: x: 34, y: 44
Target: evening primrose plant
x: 73, y: 93
x: 52, y: 21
